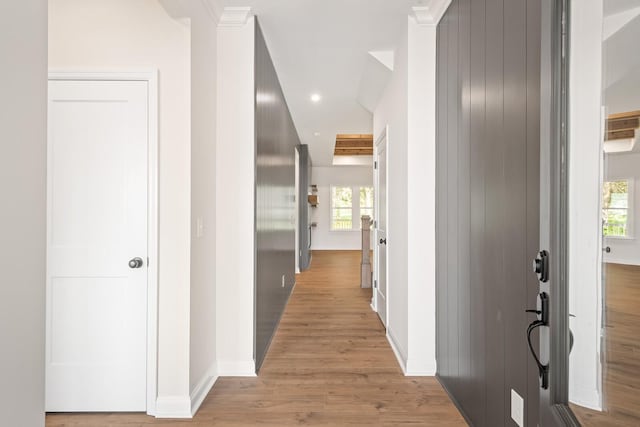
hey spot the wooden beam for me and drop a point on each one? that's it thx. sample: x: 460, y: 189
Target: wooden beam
x: 623, y: 124
x: 354, y: 145
x: 621, y: 134
x: 628, y: 114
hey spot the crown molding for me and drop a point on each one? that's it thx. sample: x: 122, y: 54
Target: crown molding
x: 234, y: 16
x: 430, y: 14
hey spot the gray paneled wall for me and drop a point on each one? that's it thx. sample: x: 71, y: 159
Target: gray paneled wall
x: 303, y: 207
x: 487, y: 204
x: 276, y: 139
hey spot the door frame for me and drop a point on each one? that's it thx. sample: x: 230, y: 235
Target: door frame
x: 554, y: 185
x: 151, y: 77
x: 376, y: 187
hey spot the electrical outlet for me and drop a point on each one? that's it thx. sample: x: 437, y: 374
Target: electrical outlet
x: 283, y: 280
x: 517, y: 408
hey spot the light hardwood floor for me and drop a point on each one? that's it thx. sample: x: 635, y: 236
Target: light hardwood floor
x: 329, y: 364
x: 622, y: 354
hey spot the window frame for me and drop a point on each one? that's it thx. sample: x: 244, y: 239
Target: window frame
x: 630, y: 209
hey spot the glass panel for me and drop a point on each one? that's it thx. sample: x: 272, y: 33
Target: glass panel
x: 341, y: 197
x: 366, y: 198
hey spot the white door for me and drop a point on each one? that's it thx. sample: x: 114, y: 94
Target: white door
x: 97, y: 224
x: 381, y: 229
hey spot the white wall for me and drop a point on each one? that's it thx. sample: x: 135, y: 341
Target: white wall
x: 202, y: 348
x: 325, y: 177
x: 137, y: 35
x: 23, y: 120
x: 585, y: 153
x: 421, y: 196
x: 235, y: 204
x: 624, y: 166
x: 408, y: 108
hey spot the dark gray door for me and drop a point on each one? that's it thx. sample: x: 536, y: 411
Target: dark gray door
x: 488, y: 175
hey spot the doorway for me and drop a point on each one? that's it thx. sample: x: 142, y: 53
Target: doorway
x: 101, y: 303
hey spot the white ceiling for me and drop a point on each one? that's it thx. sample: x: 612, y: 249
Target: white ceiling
x: 616, y: 6
x: 321, y: 46
x: 621, y: 56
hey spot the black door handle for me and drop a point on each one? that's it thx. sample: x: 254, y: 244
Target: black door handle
x: 543, y: 370
x: 383, y: 241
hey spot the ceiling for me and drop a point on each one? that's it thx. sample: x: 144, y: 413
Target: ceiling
x: 321, y: 46
x: 620, y: 54
x: 616, y: 6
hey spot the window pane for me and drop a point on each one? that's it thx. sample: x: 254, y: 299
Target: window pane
x: 341, y: 219
x: 366, y: 198
x: 615, y: 222
x: 366, y: 211
x: 615, y: 205
x: 341, y: 197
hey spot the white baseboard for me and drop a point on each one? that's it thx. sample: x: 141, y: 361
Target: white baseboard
x: 587, y: 398
x: 237, y: 368
x: 173, y: 407
x: 420, y: 368
x: 397, y: 350
x: 202, y: 389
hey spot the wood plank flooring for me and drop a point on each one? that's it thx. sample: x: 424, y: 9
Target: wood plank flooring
x: 622, y: 367
x: 329, y: 365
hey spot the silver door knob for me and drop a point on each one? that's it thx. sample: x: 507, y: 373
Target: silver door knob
x: 135, y: 262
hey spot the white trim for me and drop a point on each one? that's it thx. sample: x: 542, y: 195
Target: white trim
x: 397, y: 350
x: 234, y: 16
x: 431, y: 13
x: 586, y: 398
x: 420, y: 368
x: 237, y: 368
x: 173, y: 407
x: 202, y: 389
x: 151, y: 77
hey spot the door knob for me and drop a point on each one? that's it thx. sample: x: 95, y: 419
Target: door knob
x: 541, y: 266
x: 607, y: 249
x: 383, y: 241
x: 135, y: 262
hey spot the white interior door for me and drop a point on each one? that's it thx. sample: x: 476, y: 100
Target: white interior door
x: 381, y: 229
x: 96, y: 320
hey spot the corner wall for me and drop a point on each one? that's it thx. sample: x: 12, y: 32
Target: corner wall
x: 235, y: 202
x: 408, y: 107
x: 23, y: 120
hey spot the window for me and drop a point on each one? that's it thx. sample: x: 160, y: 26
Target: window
x: 616, y: 215
x: 346, y: 209
x: 366, y: 201
x: 341, y: 208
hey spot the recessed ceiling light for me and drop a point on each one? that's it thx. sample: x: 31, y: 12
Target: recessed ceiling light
x: 315, y: 97
x: 316, y: 134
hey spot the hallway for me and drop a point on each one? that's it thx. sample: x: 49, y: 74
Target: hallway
x: 330, y: 364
